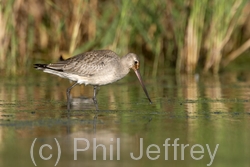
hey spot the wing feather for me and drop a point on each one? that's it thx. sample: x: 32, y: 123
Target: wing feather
x: 86, y: 64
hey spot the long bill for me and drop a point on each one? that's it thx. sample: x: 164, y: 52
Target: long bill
x: 142, y: 84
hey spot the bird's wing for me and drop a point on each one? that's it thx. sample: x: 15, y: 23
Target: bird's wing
x: 86, y: 64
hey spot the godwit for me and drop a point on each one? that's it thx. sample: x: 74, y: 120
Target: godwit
x: 99, y: 67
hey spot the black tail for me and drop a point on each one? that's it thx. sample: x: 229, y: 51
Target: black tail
x: 45, y: 66
x: 40, y: 66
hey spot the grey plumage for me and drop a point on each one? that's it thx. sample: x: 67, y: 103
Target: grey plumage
x: 98, y: 67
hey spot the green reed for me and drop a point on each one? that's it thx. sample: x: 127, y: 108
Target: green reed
x: 185, y: 35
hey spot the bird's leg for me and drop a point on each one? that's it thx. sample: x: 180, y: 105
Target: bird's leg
x: 96, y: 107
x: 94, y: 122
x: 68, y: 95
x: 94, y: 98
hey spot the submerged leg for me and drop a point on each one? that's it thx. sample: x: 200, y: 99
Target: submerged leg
x: 68, y: 95
x: 94, y: 98
x: 94, y: 122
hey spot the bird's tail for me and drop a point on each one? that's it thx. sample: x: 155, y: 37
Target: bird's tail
x: 40, y: 66
x: 47, y: 66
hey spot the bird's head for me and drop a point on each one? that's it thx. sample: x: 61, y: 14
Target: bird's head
x: 132, y: 61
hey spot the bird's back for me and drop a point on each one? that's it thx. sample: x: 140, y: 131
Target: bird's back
x: 86, y: 64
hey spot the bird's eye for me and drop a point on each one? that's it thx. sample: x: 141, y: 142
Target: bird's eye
x: 136, y: 65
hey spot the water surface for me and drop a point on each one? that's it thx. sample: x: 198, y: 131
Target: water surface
x: 197, y: 112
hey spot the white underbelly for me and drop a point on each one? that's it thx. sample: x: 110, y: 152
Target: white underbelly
x: 101, y: 79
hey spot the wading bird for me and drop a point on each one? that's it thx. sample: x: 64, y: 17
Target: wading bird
x: 97, y: 68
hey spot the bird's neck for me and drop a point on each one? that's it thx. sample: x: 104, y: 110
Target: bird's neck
x: 123, y: 68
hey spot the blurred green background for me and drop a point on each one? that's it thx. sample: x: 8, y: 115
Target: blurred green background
x: 184, y: 35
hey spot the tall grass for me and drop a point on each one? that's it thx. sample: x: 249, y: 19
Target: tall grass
x: 187, y: 35
x: 206, y: 30
x: 189, y: 44
x: 222, y: 24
